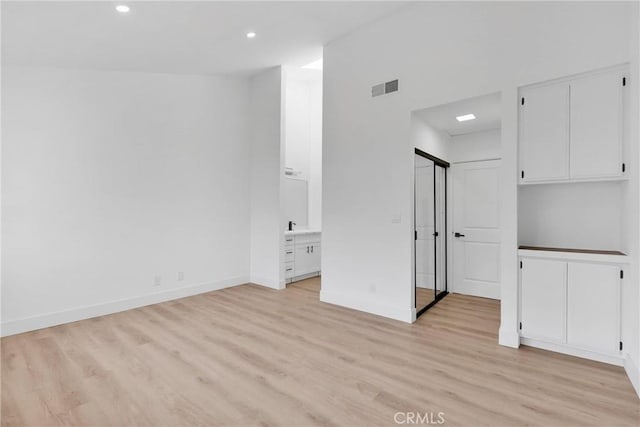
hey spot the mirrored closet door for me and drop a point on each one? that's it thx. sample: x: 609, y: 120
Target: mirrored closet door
x: 430, y: 218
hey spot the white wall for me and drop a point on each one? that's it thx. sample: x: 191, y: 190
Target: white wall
x: 266, y: 170
x: 430, y: 140
x: 110, y: 179
x: 558, y: 215
x: 475, y: 146
x: 367, y: 150
x: 630, y: 287
x: 315, y: 150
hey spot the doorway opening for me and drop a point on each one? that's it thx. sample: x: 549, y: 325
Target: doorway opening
x: 301, y: 182
x: 430, y: 230
x: 457, y: 248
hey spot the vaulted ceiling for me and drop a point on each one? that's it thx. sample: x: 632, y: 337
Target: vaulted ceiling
x: 178, y: 36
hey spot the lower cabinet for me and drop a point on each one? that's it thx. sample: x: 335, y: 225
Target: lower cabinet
x: 307, y: 258
x: 570, y: 303
x: 302, y: 256
x: 593, y: 293
x: 543, y: 293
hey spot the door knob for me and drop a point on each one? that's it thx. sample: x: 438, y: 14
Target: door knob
x: 458, y: 235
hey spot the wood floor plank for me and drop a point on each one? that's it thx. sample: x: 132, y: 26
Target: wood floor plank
x: 254, y: 356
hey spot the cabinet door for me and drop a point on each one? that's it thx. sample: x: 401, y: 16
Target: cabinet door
x: 543, y: 287
x: 596, y: 126
x: 314, y: 260
x: 303, y: 259
x: 544, y: 133
x: 592, y: 309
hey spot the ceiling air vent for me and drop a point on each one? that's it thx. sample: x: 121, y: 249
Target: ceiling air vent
x: 384, y: 88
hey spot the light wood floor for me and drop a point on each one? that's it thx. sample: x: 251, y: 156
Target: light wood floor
x: 253, y: 356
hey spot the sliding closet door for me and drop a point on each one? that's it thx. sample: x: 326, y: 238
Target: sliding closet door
x: 430, y: 193
x: 441, y: 229
x: 424, y: 232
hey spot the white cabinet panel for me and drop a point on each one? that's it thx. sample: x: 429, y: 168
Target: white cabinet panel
x: 543, y: 299
x: 544, y: 133
x: 289, y: 254
x: 314, y: 257
x: 307, y: 258
x: 303, y: 260
x: 289, y: 270
x: 596, y: 126
x: 593, y: 306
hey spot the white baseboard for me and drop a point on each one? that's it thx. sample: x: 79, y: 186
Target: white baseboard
x: 368, y: 305
x: 17, y: 326
x: 572, y: 351
x: 508, y: 338
x: 482, y: 290
x: 267, y: 283
x: 633, y: 372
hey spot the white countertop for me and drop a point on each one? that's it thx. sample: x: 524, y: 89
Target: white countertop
x: 301, y: 232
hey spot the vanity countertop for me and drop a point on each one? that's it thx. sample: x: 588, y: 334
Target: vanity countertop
x: 301, y: 232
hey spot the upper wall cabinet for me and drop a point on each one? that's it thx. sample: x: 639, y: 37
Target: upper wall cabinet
x: 544, y: 133
x: 572, y: 129
x: 596, y: 125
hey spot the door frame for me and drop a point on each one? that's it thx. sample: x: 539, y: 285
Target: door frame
x: 438, y: 296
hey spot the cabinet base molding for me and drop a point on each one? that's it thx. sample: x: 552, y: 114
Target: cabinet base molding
x: 611, y: 359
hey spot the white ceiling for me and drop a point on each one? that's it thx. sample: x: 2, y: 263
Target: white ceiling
x: 178, y: 36
x: 485, y: 108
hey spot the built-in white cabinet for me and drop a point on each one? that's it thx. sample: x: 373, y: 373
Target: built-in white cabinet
x: 572, y: 129
x: 302, y: 256
x: 307, y: 258
x: 593, y: 291
x: 596, y: 125
x: 544, y: 133
x: 543, y: 298
x: 570, y: 302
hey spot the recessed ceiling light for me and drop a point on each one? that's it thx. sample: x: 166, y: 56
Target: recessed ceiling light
x: 251, y: 35
x: 465, y: 117
x: 315, y: 65
x: 123, y: 8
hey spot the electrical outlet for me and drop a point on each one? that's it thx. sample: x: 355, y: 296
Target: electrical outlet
x: 180, y: 276
x: 372, y: 288
x: 157, y: 281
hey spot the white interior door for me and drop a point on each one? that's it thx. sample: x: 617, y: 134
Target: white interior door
x: 476, y: 223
